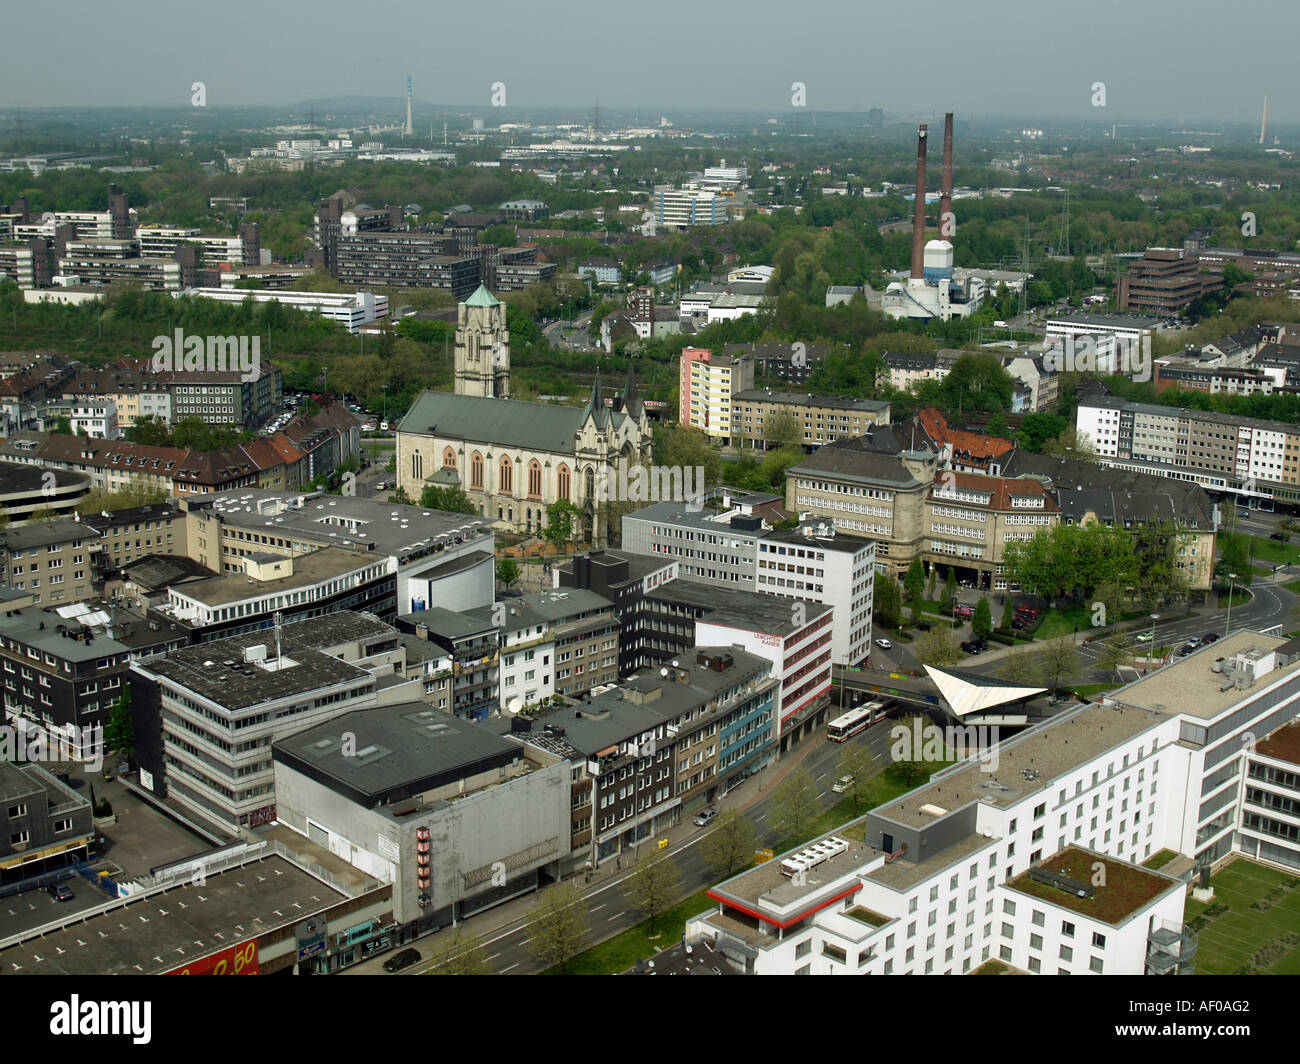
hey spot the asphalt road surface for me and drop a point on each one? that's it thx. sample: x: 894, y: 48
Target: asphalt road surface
x: 609, y: 911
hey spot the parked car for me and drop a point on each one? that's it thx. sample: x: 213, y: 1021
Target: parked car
x: 1210, y: 637
x: 964, y: 611
x: 1185, y: 649
x: 843, y: 784
x: 398, y: 961
x: 1022, y: 624
x: 1143, y: 637
x: 1242, y: 512
x: 923, y: 626
x: 884, y: 644
x: 974, y: 646
x: 61, y: 892
x: 1281, y: 537
x: 1193, y: 642
x: 706, y: 817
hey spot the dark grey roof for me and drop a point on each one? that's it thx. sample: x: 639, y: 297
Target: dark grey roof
x: 857, y: 463
x: 17, y: 477
x: 449, y: 625
x: 394, y: 752
x: 164, y: 511
x: 804, y: 399
x: 61, y: 530
x: 503, y: 422
x: 727, y: 606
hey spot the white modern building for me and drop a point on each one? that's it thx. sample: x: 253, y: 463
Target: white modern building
x: 349, y: 310
x: 1030, y: 852
x: 97, y: 420
x: 731, y: 548
x: 680, y: 208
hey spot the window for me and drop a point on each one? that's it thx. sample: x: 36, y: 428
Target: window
x: 448, y: 459
x: 505, y: 475
x: 1035, y: 941
x: 1067, y: 954
x: 476, y: 471
x: 563, y: 481
x: 535, y: 478
x: 1067, y: 929
x: 1099, y: 940
x: 1095, y: 965
x: 15, y: 811
x: 803, y: 949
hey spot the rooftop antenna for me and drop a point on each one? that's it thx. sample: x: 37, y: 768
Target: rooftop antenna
x: 279, y: 620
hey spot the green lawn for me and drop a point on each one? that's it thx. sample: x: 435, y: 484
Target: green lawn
x: 1159, y: 860
x: 1234, y: 936
x: 1294, y: 586
x: 1239, y: 595
x: 1272, y: 550
x: 1062, y: 622
x: 1088, y: 690
x: 621, y: 952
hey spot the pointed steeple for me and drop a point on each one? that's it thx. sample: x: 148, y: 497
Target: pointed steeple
x: 597, y: 406
x: 631, y: 397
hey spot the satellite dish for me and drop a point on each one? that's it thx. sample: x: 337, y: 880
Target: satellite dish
x: 515, y: 705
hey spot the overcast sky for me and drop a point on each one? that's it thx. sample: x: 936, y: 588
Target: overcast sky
x: 1200, y: 59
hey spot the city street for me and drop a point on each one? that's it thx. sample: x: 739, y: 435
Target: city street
x: 505, y: 928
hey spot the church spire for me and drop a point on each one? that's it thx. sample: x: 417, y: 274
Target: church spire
x: 631, y: 397
x: 597, y: 405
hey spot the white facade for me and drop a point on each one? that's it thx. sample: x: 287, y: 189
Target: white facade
x: 98, y: 420
x: 527, y: 665
x: 1163, y: 763
x: 352, y: 311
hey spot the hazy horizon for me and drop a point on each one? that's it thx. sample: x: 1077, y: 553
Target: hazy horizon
x: 1022, y: 60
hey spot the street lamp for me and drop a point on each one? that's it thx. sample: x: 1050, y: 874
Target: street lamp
x: 1151, y: 649
x: 1227, y: 620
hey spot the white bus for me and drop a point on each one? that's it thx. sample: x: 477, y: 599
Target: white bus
x: 855, y: 720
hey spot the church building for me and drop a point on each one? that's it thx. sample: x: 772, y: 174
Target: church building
x: 513, y: 458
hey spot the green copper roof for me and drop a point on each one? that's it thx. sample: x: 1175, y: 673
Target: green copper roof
x: 482, y: 298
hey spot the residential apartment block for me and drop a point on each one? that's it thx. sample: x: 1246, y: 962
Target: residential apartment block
x: 1249, y: 457
x: 822, y: 418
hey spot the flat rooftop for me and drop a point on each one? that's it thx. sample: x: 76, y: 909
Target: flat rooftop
x: 1283, y: 744
x: 177, y: 926
x: 1191, y: 686
x: 739, y: 609
x: 395, y: 751
x: 347, y: 521
x: 767, y: 883
x: 217, y: 670
x: 1127, y: 888
x: 308, y: 570
x: 1026, y: 764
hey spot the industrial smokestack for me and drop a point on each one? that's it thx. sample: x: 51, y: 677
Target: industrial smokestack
x: 410, y: 128
x: 947, y: 224
x: 1263, y: 121
x: 918, y: 215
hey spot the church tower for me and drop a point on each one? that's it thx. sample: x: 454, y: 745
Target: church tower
x: 482, y: 347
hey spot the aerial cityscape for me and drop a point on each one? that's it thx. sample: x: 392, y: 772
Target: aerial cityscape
x: 837, y: 514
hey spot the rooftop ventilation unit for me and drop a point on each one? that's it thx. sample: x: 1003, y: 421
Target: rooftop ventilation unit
x: 1060, y: 881
x: 816, y: 854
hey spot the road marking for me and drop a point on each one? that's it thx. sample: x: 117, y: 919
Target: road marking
x: 760, y: 819
x: 504, y: 970
x: 615, y: 917
x: 493, y: 956
x: 822, y: 794
x: 597, y: 908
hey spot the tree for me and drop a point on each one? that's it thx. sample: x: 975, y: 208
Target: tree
x: 558, y: 925
x: 950, y: 585
x: 913, y: 769
x: 859, y: 762
x: 42, y: 515
x: 782, y: 429
x: 559, y: 522
x: 1060, y: 658
x: 932, y: 586
x: 450, y: 500
x: 914, y: 584
x: 729, y: 847
x: 982, y: 623
x: 1019, y: 667
x: 461, y: 954
x: 654, y: 886
x: 887, y: 604
x: 119, y: 731
x: 686, y: 447
x: 507, y: 572
x: 794, y: 805
x: 938, y: 647
x: 1071, y: 443
x: 400, y: 497
x: 1111, y: 654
